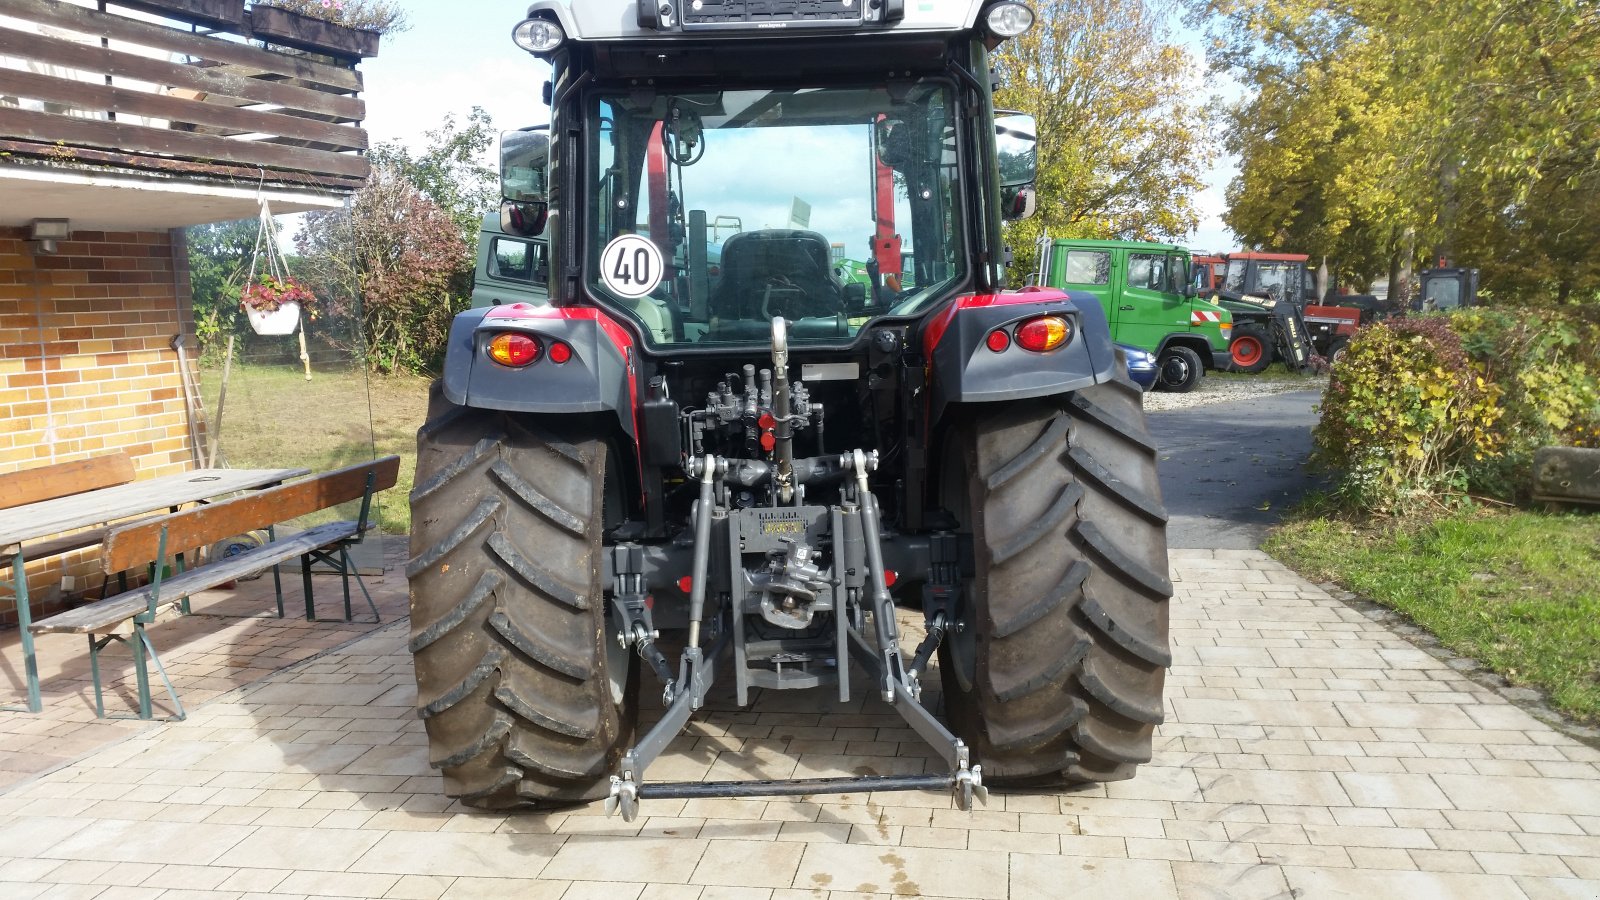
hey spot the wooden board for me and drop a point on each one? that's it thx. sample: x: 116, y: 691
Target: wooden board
x: 64, y: 479
x: 131, y: 546
x: 90, y: 97
x: 104, y: 615
x: 64, y: 514
x: 223, y: 81
x: 147, y: 34
x: 70, y: 130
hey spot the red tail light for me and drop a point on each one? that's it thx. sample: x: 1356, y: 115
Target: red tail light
x: 998, y: 340
x: 559, y: 352
x: 514, y: 349
x: 1044, y: 333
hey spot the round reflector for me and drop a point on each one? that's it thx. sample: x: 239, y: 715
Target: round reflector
x: 1044, y: 333
x: 998, y: 340
x: 514, y: 349
x: 686, y: 584
x: 559, y: 352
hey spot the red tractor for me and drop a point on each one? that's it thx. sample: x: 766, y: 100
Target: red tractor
x: 726, y: 461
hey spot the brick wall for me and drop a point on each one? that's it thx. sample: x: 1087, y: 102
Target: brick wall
x: 86, y: 364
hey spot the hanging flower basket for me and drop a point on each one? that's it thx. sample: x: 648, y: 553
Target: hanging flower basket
x: 273, y: 304
x: 283, y: 320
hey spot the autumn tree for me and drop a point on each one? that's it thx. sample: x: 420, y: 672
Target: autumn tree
x: 392, y: 261
x: 1122, y: 136
x: 1375, y: 129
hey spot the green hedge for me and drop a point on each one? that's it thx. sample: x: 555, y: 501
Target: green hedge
x: 1435, y: 406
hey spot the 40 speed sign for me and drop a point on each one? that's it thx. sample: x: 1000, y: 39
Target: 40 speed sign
x: 631, y: 266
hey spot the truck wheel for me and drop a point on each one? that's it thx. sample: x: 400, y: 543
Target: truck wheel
x: 1054, y: 672
x: 1250, y: 349
x: 1179, y: 370
x: 525, y: 699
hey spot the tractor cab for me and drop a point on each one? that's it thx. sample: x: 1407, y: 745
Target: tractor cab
x: 1443, y: 290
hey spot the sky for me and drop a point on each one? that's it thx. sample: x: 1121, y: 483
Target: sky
x: 458, y: 54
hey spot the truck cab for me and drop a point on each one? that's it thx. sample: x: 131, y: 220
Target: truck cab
x: 510, y: 269
x: 1146, y: 292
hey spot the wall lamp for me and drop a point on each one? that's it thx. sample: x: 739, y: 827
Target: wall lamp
x: 46, y: 232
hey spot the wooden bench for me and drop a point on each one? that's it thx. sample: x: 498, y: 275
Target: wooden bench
x: 142, y: 543
x: 62, y: 480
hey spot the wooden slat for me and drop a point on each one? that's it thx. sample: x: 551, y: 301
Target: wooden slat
x: 118, y: 28
x: 251, y: 175
x: 70, y: 130
x: 88, y: 96
x: 136, y: 545
x: 218, y: 81
x: 64, y: 479
x: 64, y: 514
x: 106, y: 614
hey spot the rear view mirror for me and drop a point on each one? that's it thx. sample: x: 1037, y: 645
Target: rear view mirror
x: 1016, y: 145
x: 524, y: 164
x: 1017, y: 202
x: 523, y: 219
x: 524, y: 181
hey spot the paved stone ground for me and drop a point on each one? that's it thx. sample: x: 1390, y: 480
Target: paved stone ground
x: 1308, y: 753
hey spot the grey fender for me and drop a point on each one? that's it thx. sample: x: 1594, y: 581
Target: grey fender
x: 599, y: 377
x: 965, y: 370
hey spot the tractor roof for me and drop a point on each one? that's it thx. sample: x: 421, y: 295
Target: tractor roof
x: 1274, y: 257
x: 619, y: 20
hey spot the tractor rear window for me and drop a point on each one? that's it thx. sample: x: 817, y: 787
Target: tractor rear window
x: 713, y: 212
x: 1088, y: 267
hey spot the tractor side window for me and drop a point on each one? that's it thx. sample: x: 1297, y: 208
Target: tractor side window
x: 1088, y: 267
x: 1148, y: 271
x: 1234, y: 281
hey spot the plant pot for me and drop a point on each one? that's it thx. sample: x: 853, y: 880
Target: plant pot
x: 283, y: 320
x: 292, y: 29
x: 224, y: 14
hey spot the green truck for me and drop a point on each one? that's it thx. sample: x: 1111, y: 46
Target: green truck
x: 1149, y: 299
x: 510, y: 269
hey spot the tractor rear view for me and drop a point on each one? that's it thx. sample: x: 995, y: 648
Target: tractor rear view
x: 719, y: 457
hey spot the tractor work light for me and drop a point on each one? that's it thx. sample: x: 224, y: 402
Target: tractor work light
x: 538, y: 36
x: 514, y: 349
x: 1008, y: 19
x: 1043, y: 334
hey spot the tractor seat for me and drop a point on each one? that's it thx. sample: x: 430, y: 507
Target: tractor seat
x: 775, y: 271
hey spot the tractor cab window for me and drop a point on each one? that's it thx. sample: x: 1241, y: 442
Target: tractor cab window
x: 1234, y: 281
x: 1441, y: 293
x: 711, y: 213
x: 1280, y: 281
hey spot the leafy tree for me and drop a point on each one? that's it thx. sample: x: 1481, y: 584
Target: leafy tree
x: 451, y: 170
x: 392, y: 261
x: 219, y: 261
x: 1374, y: 131
x: 1122, y: 140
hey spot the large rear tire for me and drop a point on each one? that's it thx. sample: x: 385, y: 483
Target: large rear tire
x: 1057, y: 671
x: 524, y: 698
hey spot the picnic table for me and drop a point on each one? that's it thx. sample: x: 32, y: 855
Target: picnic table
x: 32, y: 521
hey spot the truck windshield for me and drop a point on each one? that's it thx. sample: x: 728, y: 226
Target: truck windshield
x: 711, y: 213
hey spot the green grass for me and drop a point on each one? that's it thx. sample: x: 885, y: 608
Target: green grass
x: 1275, y: 372
x: 275, y: 418
x: 1517, y: 591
